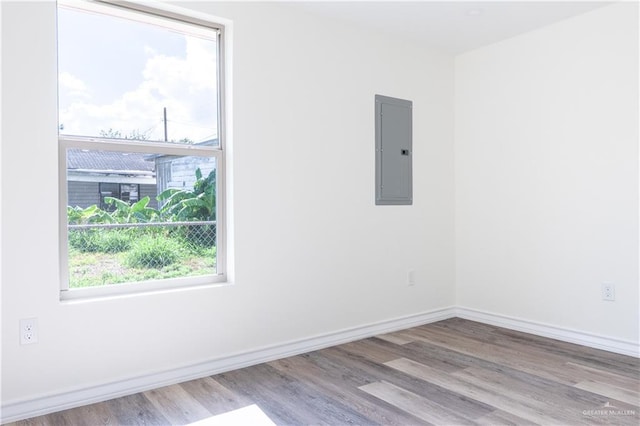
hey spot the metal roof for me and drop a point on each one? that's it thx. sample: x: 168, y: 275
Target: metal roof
x: 103, y: 161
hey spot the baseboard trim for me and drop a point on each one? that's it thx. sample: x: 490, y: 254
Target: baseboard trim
x: 609, y: 344
x: 19, y: 410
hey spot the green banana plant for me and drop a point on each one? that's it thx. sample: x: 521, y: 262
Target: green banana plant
x: 92, y: 214
x: 138, y: 212
x: 196, y: 204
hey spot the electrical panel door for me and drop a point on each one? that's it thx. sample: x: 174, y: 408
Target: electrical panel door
x: 393, y: 151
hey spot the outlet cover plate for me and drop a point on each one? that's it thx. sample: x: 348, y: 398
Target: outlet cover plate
x: 28, y: 331
x: 608, y: 292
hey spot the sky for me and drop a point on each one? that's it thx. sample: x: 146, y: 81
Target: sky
x: 119, y: 74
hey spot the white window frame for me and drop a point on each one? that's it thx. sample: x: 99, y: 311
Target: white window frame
x: 147, y: 14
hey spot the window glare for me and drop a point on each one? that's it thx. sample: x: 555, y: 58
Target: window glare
x: 118, y: 77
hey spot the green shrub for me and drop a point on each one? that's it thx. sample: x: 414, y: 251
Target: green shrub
x: 100, y: 240
x: 85, y: 241
x: 196, y: 237
x: 200, y: 251
x: 153, y: 252
x: 116, y: 241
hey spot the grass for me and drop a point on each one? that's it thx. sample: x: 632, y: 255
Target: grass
x: 154, y: 252
x: 146, y: 258
x: 100, y: 240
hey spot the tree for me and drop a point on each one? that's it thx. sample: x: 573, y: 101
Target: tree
x: 183, y: 140
x: 135, y: 134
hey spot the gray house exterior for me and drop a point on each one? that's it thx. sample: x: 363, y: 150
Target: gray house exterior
x: 179, y: 172
x: 129, y: 176
x: 93, y: 175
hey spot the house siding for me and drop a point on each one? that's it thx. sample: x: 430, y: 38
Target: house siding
x: 85, y: 194
x: 179, y: 172
x: 151, y: 192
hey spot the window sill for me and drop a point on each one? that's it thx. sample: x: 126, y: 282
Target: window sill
x: 145, y: 288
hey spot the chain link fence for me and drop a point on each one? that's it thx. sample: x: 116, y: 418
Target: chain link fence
x: 101, y: 254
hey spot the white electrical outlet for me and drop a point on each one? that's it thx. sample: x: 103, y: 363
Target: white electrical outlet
x: 608, y: 292
x: 411, y: 277
x: 28, y: 331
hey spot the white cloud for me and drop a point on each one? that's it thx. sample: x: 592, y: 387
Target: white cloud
x: 73, y: 86
x: 185, y: 86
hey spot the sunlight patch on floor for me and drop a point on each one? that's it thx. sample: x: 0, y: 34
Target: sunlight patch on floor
x: 249, y: 415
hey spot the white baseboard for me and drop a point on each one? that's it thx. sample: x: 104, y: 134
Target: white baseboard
x: 18, y: 410
x: 623, y: 347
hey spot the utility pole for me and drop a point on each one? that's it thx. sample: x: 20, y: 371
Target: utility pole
x: 165, y: 125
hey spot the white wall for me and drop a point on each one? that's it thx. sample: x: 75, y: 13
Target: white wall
x: 313, y: 254
x: 546, y: 194
x: 546, y: 174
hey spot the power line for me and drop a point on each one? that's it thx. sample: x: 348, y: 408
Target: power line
x: 190, y: 124
x: 211, y: 136
x: 150, y: 129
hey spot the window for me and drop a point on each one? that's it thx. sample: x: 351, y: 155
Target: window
x: 128, y: 193
x: 141, y: 146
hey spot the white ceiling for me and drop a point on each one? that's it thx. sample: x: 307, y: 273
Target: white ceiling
x: 450, y: 26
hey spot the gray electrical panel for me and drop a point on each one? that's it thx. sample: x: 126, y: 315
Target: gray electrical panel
x: 393, y: 151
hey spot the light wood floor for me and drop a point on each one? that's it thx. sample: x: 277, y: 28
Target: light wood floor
x: 453, y: 372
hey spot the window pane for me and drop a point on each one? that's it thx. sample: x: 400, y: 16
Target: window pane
x: 108, y: 190
x: 129, y: 193
x: 118, y: 78
x: 137, y: 216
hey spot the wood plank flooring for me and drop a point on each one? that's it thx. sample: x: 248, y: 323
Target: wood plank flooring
x: 453, y: 372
